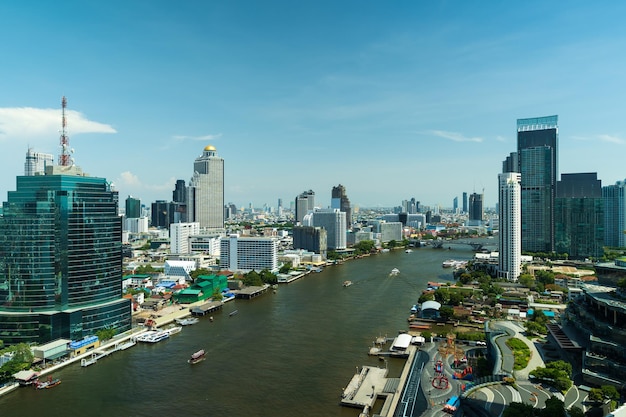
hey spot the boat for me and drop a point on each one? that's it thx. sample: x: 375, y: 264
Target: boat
x: 347, y: 283
x: 173, y: 330
x: 187, y: 321
x: 232, y: 313
x: 408, y: 251
x: 153, y: 336
x: 49, y: 383
x: 199, y: 356
x: 394, y: 271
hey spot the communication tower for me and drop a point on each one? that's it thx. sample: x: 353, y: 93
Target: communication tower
x: 65, y: 157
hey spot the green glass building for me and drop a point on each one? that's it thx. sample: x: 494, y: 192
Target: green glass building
x: 61, y: 264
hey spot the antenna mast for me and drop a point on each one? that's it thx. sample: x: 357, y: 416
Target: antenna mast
x: 64, y: 157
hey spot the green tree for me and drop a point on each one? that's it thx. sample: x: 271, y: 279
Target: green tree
x: 105, y: 334
x: 576, y: 411
x: 285, y: 268
x: 527, y: 280
x: 200, y: 271
x: 610, y: 392
x: 596, y: 395
x: 554, y: 408
x: 392, y: 243
x: 252, y: 279
x: 446, y: 312
x: 563, y: 366
x: 518, y: 410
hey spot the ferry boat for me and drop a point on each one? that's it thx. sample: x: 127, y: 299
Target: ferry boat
x: 49, y: 383
x: 199, y: 356
x: 187, y: 321
x: 153, y: 336
x: 347, y: 283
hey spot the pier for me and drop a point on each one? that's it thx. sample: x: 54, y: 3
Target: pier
x: 204, y: 309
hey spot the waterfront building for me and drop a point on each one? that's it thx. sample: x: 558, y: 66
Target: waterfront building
x: 475, y: 210
x: 61, y: 265
x: 340, y: 201
x: 614, y: 197
x: 305, y: 203
x: 133, y: 208
x: 180, y: 234
x: 245, y: 254
x: 205, y: 193
x: 334, y: 221
x: 310, y: 238
x: 36, y: 162
x: 537, y: 153
x: 509, y: 215
x: 579, y: 216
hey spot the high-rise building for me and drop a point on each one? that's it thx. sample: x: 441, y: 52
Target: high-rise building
x: 205, y: 194
x: 579, y: 216
x: 310, y: 238
x: 464, y: 202
x: 614, y: 197
x: 475, y: 209
x: 340, y: 201
x: 455, y: 204
x: 537, y: 153
x: 180, y: 234
x: 510, y: 232
x: 179, y: 195
x: 247, y: 254
x: 61, y: 266
x: 160, y: 214
x: 36, y: 162
x: 133, y: 208
x: 334, y: 221
x: 305, y: 203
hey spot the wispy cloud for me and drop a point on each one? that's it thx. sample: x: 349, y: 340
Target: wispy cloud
x: 31, y: 123
x: 131, y: 183
x: 602, y: 138
x: 454, y: 136
x: 197, y: 138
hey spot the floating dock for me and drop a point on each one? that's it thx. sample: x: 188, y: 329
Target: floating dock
x: 207, y: 308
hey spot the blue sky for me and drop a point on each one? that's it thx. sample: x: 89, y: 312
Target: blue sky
x: 391, y: 99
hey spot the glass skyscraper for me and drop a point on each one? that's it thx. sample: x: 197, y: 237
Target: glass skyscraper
x: 537, y: 153
x: 60, y: 275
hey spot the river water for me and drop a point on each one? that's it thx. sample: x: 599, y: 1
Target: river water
x: 284, y: 354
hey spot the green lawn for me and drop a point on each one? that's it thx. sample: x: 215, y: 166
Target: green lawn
x: 521, y: 353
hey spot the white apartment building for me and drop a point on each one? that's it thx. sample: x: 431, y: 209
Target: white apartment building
x: 245, y: 254
x: 510, y: 227
x: 180, y: 234
x: 136, y: 225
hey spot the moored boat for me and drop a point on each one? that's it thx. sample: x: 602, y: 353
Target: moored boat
x: 197, y: 357
x: 153, y: 336
x: 187, y: 321
x: 49, y: 383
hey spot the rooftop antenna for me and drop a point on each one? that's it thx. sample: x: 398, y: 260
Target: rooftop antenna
x: 64, y: 158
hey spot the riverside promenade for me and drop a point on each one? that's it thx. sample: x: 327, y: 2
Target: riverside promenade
x: 166, y: 316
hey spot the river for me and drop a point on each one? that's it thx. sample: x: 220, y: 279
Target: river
x: 284, y: 354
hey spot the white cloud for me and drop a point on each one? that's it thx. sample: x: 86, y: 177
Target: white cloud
x: 197, y: 138
x: 127, y: 178
x: 31, y: 123
x: 602, y: 138
x: 456, y: 137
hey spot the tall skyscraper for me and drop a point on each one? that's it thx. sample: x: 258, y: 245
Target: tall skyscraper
x: 247, y: 254
x: 455, y: 204
x: 464, y: 202
x: 340, y: 201
x: 537, y: 153
x: 179, y: 195
x: 133, y: 208
x: 61, y: 258
x: 510, y: 233
x: 334, y: 221
x: 205, y: 194
x: 305, y: 202
x: 579, y: 216
x: 36, y: 162
x: 475, y: 209
x: 614, y: 197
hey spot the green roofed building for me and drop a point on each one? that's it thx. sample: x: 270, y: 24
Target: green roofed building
x: 203, y: 288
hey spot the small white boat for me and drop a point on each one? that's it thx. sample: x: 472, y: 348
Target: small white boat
x: 347, y: 283
x: 408, y: 251
x: 394, y: 271
x: 173, y: 330
x: 187, y: 321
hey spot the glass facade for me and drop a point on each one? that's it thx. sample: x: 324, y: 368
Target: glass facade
x: 60, y: 274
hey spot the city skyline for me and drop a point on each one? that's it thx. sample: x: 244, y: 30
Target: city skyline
x: 306, y: 96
